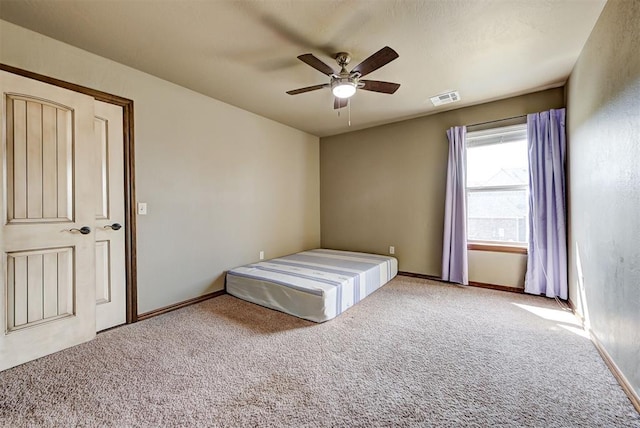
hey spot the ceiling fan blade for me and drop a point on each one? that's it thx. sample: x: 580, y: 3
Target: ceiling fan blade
x: 314, y: 62
x: 382, y: 57
x: 378, y: 86
x: 340, y: 102
x: 307, y: 89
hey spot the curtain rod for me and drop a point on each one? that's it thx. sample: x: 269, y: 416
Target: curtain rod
x: 497, y: 120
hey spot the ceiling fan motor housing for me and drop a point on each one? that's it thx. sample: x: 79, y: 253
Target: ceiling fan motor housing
x: 343, y: 58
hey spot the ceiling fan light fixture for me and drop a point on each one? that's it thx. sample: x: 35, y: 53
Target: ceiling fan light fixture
x: 343, y: 88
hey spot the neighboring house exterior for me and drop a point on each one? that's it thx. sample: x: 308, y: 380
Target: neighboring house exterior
x: 499, y: 215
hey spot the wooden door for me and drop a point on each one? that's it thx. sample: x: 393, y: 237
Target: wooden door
x: 47, y: 296
x: 109, y: 215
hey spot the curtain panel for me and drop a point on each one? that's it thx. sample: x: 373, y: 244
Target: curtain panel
x: 547, y: 255
x: 454, y: 250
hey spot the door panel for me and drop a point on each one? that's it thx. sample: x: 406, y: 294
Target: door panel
x: 39, y: 286
x: 101, y: 129
x: 47, y: 296
x: 109, y: 209
x: 103, y: 274
x: 38, y: 161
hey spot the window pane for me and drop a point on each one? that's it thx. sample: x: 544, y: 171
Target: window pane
x: 498, y: 164
x: 497, y: 185
x: 498, y: 216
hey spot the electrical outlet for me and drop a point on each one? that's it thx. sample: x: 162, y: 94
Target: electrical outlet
x: 142, y: 208
x: 392, y: 250
x: 261, y: 255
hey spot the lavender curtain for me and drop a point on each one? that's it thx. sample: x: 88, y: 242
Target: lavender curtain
x: 547, y: 257
x: 454, y: 248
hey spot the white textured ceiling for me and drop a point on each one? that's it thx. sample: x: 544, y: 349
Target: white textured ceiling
x: 244, y: 52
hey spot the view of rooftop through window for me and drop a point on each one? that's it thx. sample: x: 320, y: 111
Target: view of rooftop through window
x: 497, y: 186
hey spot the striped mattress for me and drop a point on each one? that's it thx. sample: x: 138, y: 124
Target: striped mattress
x: 316, y: 285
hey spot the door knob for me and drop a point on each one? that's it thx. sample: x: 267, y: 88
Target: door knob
x: 85, y: 230
x: 114, y: 226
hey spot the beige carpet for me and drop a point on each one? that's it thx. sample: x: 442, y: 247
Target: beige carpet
x: 415, y: 353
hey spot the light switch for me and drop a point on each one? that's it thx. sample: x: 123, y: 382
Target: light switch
x: 142, y: 208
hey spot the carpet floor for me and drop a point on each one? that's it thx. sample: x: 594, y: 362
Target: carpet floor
x: 415, y: 353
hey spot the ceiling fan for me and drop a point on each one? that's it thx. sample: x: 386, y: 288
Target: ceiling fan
x: 344, y: 84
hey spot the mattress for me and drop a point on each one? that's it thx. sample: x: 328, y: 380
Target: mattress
x: 316, y: 285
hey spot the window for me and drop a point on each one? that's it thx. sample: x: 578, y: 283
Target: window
x: 498, y: 186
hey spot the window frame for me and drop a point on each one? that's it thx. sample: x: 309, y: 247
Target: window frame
x: 485, y: 137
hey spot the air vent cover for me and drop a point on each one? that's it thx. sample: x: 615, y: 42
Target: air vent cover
x: 446, y: 98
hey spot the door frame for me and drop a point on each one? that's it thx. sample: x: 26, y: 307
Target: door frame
x: 129, y: 177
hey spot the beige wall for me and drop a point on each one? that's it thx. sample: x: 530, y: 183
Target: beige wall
x: 221, y: 183
x: 506, y: 269
x: 385, y: 186
x: 604, y: 184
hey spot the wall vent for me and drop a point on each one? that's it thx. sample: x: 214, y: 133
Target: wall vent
x: 446, y: 98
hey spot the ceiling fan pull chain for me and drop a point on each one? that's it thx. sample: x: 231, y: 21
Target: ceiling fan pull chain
x: 349, y: 107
